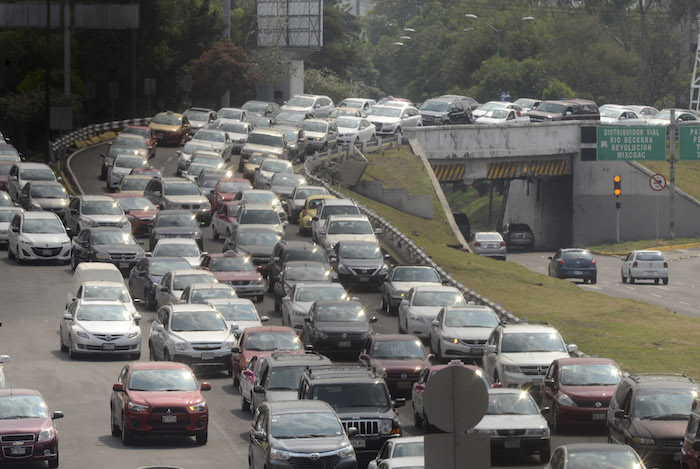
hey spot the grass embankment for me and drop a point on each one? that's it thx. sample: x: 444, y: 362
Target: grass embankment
x: 639, y: 336
x: 476, y: 206
x: 658, y: 244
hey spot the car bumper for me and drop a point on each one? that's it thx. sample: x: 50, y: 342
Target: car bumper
x: 248, y: 290
x: 220, y: 360
x: 168, y: 137
x: 648, y: 274
x: 577, y: 273
x: 460, y: 350
x: 344, y: 463
x: 420, y: 328
x: 495, y: 253
x: 315, y: 145
x: 187, y: 423
x: 519, y: 380
x: 582, y: 416
x: 519, y: 445
x: 61, y: 253
x: 41, y: 451
x: 400, y: 387
x: 334, y: 345
x: 521, y: 243
x: 655, y: 455
x: 370, y: 280
x: 101, y: 347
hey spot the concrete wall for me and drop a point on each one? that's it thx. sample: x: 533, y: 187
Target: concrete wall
x: 419, y: 205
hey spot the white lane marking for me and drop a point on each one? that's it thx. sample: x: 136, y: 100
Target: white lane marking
x: 684, y: 303
x: 656, y: 295
x: 592, y: 287
x: 681, y: 284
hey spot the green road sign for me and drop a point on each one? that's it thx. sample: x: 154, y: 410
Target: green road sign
x: 618, y: 143
x: 689, y: 143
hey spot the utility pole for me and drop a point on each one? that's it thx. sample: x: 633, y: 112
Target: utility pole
x: 47, y: 98
x: 672, y: 179
x: 226, y: 98
x: 66, y: 49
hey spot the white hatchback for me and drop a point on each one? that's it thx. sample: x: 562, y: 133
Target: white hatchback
x: 644, y: 265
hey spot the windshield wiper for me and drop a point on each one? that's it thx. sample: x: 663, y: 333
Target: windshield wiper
x: 281, y: 388
x: 285, y: 437
x: 667, y: 417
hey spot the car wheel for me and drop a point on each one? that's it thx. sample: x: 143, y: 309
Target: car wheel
x: 151, y: 354
x: 245, y: 405
x: 624, y: 279
x: 116, y: 431
x: 631, y: 279
x: 401, y: 329
x: 417, y: 420
x: 204, y: 436
x: 259, y: 298
x: 594, y: 279
x: 73, y: 262
x: 135, y: 356
x: 127, y: 434
x: 53, y: 463
x: 666, y: 281
x: 215, y: 235
x: 656, y: 281
x: 71, y: 353
x: 60, y: 339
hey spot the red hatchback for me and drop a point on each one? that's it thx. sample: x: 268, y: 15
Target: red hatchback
x: 227, y: 188
x: 262, y: 339
x: 158, y: 398
x: 139, y: 210
x: 237, y: 270
x: 577, y: 391
x: 27, y: 431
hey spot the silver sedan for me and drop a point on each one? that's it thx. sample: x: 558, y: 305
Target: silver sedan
x: 489, y: 244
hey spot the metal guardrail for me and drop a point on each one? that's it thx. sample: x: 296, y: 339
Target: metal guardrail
x: 60, y: 146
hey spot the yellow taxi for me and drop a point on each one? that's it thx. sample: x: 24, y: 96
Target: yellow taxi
x: 170, y: 127
x: 309, y: 211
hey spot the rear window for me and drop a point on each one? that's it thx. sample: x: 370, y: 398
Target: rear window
x: 577, y: 255
x: 649, y: 256
x: 519, y: 227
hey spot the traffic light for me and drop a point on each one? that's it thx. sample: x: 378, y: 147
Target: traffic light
x: 617, y: 185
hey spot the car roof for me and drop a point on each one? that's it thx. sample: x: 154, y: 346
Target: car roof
x: 174, y: 212
x: 318, y: 284
x: 190, y: 271
x: 38, y: 215
x: 86, y: 198
x: 267, y: 131
x: 405, y: 461
x: 228, y: 301
x: 136, y: 176
x: 345, y: 373
x: 506, y: 391
x: 159, y: 366
x: 302, y: 264
x: 393, y: 337
x: 343, y: 302
x: 647, y: 250
x: 297, y: 357
x: 19, y: 392
x: 348, y: 218
x: 170, y: 113
x: 607, y: 447
x: 251, y: 330
x: 191, y: 308
x: 469, y: 307
x: 171, y: 180
x: 435, y: 288
x: 337, y: 201
x: 210, y: 286
x: 654, y: 380
x: 229, y: 253
x: 297, y: 407
x: 45, y: 183
x: 26, y: 164
x: 297, y: 244
x: 151, y: 260
x: 259, y: 207
x: 516, y: 328
x: 586, y: 361
x: 356, y: 242
x: 177, y: 241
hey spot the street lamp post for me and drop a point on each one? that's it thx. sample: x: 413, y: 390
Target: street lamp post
x: 499, y: 32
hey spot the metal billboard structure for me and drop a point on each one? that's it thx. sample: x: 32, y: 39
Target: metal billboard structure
x: 292, y: 24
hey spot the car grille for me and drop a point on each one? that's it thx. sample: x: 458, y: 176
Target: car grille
x: 347, y: 335
x: 674, y: 443
x: 17, y: 437
x: 592, y: 404
x: 324, y: 462
x: 516, y: 432
x: 156, y: 417
x: 534, y: 370
x: 207, y: 346
x: 239, y: 282
x: 364, y: 271
x: 190, y: 206
x: 108, y: 337
x: 107, y: 223
x: 26, y: 451
x: 400, y: 374
x: 364, y: 427
x: 122, y: 256
x: 118, y: 348
x: 46, y: 252
x: 473, y: 342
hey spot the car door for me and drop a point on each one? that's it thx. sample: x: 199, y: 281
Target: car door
x: 24, y: 199
x: 259, y: 447
x: 553, y: 264
x: 137, y: 278
x: 418, y: 396
x: 185, y: 297
x: 383, y: 453
x: 119, y: 400
x: 157, y: 338
x: 626, y: 264
x: 64, y: 330
x: 79, y: 246
x: 549, y: 390
x: 162, y: 292
x: 12, y: 177
x: 219, y: 218
x: 491, y: 357
x: 247, y: 384
x: 615, y: 427
x: 435, y: 330
x: 71, y: 216
x: 259, y: 397
x: 13, y: 234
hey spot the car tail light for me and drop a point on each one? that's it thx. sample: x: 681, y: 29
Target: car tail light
x: 258, y: 268
x: 634, y: 264
x: 665, y: 265
x: 561, y: 262
x: 593, y: 262
x: 503, y: 243
x: 477, y: 244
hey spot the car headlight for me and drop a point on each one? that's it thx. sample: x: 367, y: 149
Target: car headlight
x: 385, y: 426
x: 384, y: 269
x: 134, y: 333
x: 342, y: 269
x: 134, y: 407
x: 563, y: 399
x: 65, y: 241
x: 46, y: 434
x: 300, y: 313
x: 451, y: 340
x: 124, y: 222
x: 642, y: 441
x: 257, y: 282
x: 279, y: 454
x: 197, y: 235
x: 200, y: 407
x: 229, y: 344
x: 82, y: 334
x: 102, y: 256
x: 26, y: 241
x: 346, y: 452
x: 180, y: 346
x: 90, y: 222
x: 205, y: 205
x: 537, y: 431
x: 511, y: 369
x: 416, y: 318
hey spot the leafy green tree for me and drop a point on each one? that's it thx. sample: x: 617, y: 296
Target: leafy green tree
x: 557, y: 89
x: 327, y: 82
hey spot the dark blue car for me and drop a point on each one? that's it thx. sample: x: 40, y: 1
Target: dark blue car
x: 574, y: 263
x: 145, y: 277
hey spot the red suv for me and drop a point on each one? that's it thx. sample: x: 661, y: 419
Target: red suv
x: 158, y: 398
x: 577, y: 391
x: 27, y: 432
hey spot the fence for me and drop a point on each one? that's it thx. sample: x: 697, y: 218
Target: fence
x: 62, y: 145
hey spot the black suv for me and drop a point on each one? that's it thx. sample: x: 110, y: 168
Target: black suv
x: 337, y: 326
x: 565, y: 110
x: 279, y: 375
x: 291, y: 434
x: 446, y: 111
x: 175, y: 224
x: 361, y: 399
x: 286, y: 251
x: 650, y: 413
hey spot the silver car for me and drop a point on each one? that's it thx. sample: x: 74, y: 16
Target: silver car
x: 294, y: 204
x: 218, y: 139
x: 239, y: 312
x: 391, y: 120
x: 93, y: 211
x: 6, y: 216
x: 268, y: 168
x: 489, y: 244
x: 462, y: 332
x: 283, y: 184
x: 174, y: 283
x: 185, y: 155
x: 401, y: 279
x: 421, y: 306
x: 297, y: 304
x: 200, y: 293
x: 100, y: 327
x: 316, y: 105
x: 259, y: 216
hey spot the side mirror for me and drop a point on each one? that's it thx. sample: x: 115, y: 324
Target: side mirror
x: 400, y: 402
x: 15, y: 229
x: 57, y: 415
x: 364, y: 357
x: 546, y: 410
x: 620, y: 414
x: 236, y: 349
x: 205, y: 386
x: 137, y: 318
x: 352, y: 431
x: 420, y: 387
x: 258, y: 389
x: 159, y: 327
x: 373, y: 319
x: 117, y: 387
x: 4, y: 358
x: 572, y: 348
x: 234, y: 328
x: 549, y: 382
x: 259, y: 435
x: 68, y: 317
x: 491, y: 348
x: 435, y: 323
x: 249, y: 375
x: 550, y: 258
x: 307, y: 320
x: 163, y: 289
x: 264, y: 319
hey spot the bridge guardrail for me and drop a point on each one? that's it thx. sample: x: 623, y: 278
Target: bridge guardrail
x: 62, y: 145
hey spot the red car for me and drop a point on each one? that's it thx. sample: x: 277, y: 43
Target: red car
x: 262, y: 339
x: 419, y: 417
x: 4, y: 173
x: 158, y: 398
x: 146, y: 133
x: 27, y: 431
x: 227, y: 188
x: 400, y: 356
x: 139, y: 210
x: 237, y: 270
x: 577, y: 391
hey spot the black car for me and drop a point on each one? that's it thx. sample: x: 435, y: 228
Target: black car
x: 287, y: 251
x: 299, y: 271
x: 359, y: 263
x: 445, y: 111
x: 106, y: 245
x: 175, y: 224
x: 49, y: 196
x: 337, y: 326
x: 289, y: 434
x: 146, y: 274
x: 573, y: 263
x: 361, y: 399
x: 258, y: 243
x: 518, y: 235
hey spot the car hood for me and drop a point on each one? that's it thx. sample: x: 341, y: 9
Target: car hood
x: 167, y: 398
x: 471, y: 333
x: 255, y: 147
x: 384, y: 119
x: 280, y: 395
x: 506, y: 422
x: 143, y: 214
x: 334, y: 238
x: 104, y: 218
x: 39, y: 239
x: 257, y: 250
x: 229, y: 276
x: 227, y: 195
x: 297, y: 108
x: 660, y: 429
x: 426, y: 311
x: 532, y: 358
x: 203, y: 336
x: 654, y: 121
x: 408, y: 366
x: 302, y: 305
x: 164, y: 127
x: 311, y: 445
x: 362, y: 263
x: 120, y: 170
x: 198, y: 124
x: 405, y: 286
x: 550, y: 115
x: 119, y: 248
x: 112, y: 327
x: 34, y: 425
x: 186, y: 199
x: 180, y: 230
x: 347, y: 130
x: 237, y: 137
x: 312, y: 134
x: 350, y: 326
x: 193, y: 260
x: 277, y: 227
x: 604, y: 393
x: 215, y: 145
x: 50, y: 203
x: 432, y: 113
x: 282, y: 190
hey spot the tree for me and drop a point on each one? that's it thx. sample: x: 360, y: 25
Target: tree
x: 326, y: 82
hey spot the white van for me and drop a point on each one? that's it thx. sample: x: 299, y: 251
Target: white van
x: 92, y: 271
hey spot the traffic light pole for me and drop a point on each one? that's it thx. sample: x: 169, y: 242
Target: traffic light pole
x: 672, y: 179
x: 617, y: 228
x: 617, y: 191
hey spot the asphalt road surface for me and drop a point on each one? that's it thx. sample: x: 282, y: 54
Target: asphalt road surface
x: 33, y: 305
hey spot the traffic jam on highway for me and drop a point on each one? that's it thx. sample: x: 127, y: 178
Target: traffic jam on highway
x: 282, y: 317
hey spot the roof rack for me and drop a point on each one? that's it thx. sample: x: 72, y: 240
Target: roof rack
x: 335, y: 371
x: 638, y: 377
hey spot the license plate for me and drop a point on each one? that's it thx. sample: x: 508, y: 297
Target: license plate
x: 577, y: 272
x: 515, y: 443
x: 123, y: 265
x: 358, y: 443
x: 344, y: 344
x: 17, y: 450
x: 599, y: 416
x: 47, y: 252
x: 107, y: 346
x: 403, y: 385
x: 207, y: 355
x: 364, y: 279
x: 169, y: 418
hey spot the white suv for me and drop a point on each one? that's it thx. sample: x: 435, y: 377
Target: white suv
x: 317, y: 105
x: 518, y: 355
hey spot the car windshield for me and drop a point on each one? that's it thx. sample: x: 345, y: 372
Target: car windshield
x: 192, y: 146
x: 311, y: 294
x: 287, y: 180
x: 49, y: 191
x: 257, y: 158
x: 196, y: 115
x: 525, y: 103
x: 664, y: 114
x: 511, y: 403
x: 5, y: 168
x: 347, y: 123
x: 303, y: 193
x: 398, y: 349
x: 22, y: 407
x: 353, y: 103
x: 133, y: 184
x: 305, y: 425
x: 313, y: 126
x: 208, y: 182
x: 306, y: 274
x: 112, y: 237
x: 387, y: 111
x: 255, y: 106
x: 232, y: 186
x: 266, y: 341
x: 605, y: 374
x: 43, y: 226
x: 403, y: 450
x: 614, y: 113
x: 167, y: 119
x: 115, y: 151
x: 143, y: 132
x: 181, y: 188
x: 231, y: 264
x: 204, y: 294
x: 165, y: 219
x: 266, y: 139
x: 101, y: 207
x: 261, y: 238
x: 176, y: 250
x: 264, y: 197
x: 259, y: 217
x: 350, y: 227
x: 470, y: 318
x: 299, y: 101
x: 135, y: 203
x: 568, y: 255
x: 259, y: 121
x: 130, y: 141
x: 524, y: 342
x: 438, y: 298
x: 230, y: 114
x: 415, y: 274
x: 345, y: 395
x: 276, y: 166
x: 185, y: 321
x: 106, y: 292
x: 180, y: 282
x: 348, y: 312
x: 235, y: 128
x: 162, y: 380
x: 435, y: 105
x: 497, y: 113
x: 238, y: 312
x: 37, y: 174
x: 649, y: 256
x: 360, y: 252
x: 556, y: 108
x: 340, y: 210
x: 285, y: 378
x: 603, y: 459
x: 210, y: 136
x: 89, y: 312
x: 196, y: 168
x: 8, y: 215
x: 160, y: 267
x: 125, y: 161
x: 314, y: 255
x: 663, y: 404
x: 291, y: 134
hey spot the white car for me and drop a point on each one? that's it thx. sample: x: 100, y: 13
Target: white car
x: 3, y: 359
x: 401, y: 279
x: 237, y: 132
x: 329, y: 207
x: 316, y: 105
x: 406, y: 462
x: 23, y: 172
x: 391, y: 120
x: 402, y: 447
x: 514, y: 424
x: 218, y: 139
x: 683, y: 117
x: 258, y: 216
x: 231, y: 114
x: 502, y: 116
x: 297, y: 304
x: 346, y: 228
x: 358, y: 103
x: 620, y: 116
x: 461, y: 332
x: 179, y: 247
x: 6, y: 216
x: 101, y: 290
x: 643, y: 111
x: 355, y: 130
x: 38, y: 236
x: 644, y: 265
x: 239, y: 312
x: 200, y: 293
x: 123, y: 164
x: 518, y: 355
x: 185, y: 155
x: 484, y: 108
x: 100, y: 327
x: 193, y: 334
x: 173, y: 283
x: 421, y: 306
x: 268, y: 168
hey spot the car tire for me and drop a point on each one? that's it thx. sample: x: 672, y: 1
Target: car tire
x: 151, y: 354
x: 71, y: 353
x: 401, y: 329
x: 631, y: 279
x: 73, y: 263
x: 60, y: 339
x: 666, y: 281
x: 53, y: 463
x: 417, y: 420
x: 127, y: 435
x: 245, y: 405
x: 215, y: 235
x: 116, y: 431
x: 624, y: 279
x: 166, y: 356
x: 594, y: 279
x: 259, y: 298
x: 202, y: 438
